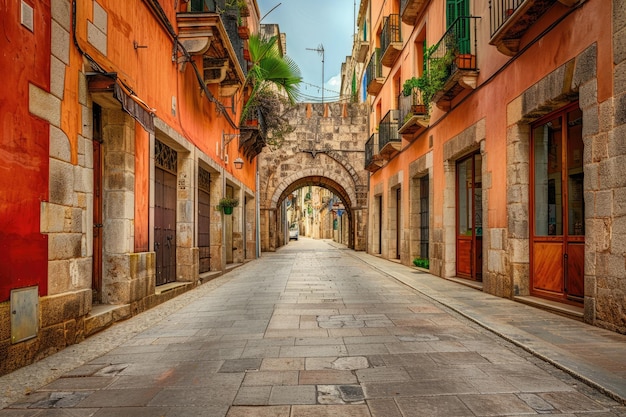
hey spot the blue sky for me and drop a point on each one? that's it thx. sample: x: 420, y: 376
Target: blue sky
x: 309, y: 24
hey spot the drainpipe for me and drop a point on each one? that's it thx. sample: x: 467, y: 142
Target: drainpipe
x: 258, y: 211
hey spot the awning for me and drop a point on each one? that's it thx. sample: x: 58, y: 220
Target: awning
x: 104, y: 87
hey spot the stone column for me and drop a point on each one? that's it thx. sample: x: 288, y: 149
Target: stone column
x: 118, y: 209
x: 186, y: 254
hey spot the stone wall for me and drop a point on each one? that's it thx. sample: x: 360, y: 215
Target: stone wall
x: 325, y: 149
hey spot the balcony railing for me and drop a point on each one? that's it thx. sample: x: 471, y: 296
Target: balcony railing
x: 391, y: 40
x: 373, y: 161
x: 210, y: 28
x: 410, y: 9
x: 413, y: 113
x: 510, y: 19
x: 389, y: 139
x: 452, y: 63
x: 361, y: 45
x: 374, y: 73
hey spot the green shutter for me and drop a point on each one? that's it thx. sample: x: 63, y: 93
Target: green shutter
x: 454, y: 10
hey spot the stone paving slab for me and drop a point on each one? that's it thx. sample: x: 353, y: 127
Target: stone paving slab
x: 288, y: 336
x: 594, y: 355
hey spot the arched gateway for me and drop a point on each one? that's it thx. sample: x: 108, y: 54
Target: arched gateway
x: 326, y: 149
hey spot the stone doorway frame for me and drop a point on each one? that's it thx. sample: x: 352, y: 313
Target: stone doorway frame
x: 468, y: 141
x: 315, y: 177
x: 572, y: 81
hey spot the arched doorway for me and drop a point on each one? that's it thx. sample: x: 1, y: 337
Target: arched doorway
x: 322, y: 182
x: 325, y: 149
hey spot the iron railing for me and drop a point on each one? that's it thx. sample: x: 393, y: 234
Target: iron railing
x: 457, y: 48
x: 230, y: 16
x: 403, y: 5
x: 391, y: 32
x: 500, y: 11
x: 371, y: 149
x: 374, y: 68
x: 407, y: 105
x: 388, y: 128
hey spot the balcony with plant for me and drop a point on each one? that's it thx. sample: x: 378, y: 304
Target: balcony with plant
x: 374, y: 74
x: 452, y: 62
x: 414, y: 104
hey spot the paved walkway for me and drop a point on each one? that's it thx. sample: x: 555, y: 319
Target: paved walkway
x: 317, y: 330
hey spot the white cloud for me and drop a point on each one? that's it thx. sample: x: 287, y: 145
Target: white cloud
x: 334, y: 84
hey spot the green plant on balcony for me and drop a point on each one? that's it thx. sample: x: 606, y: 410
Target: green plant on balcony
x: 432, y: 79
x: 271, y: 85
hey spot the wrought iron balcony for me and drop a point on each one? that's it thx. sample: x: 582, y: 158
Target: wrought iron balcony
x: 373, y: 160
x: 452, y: 62
x: 391, y: 39
x: 411, y: 9
x: 390, y: 141
x: 511, y: 19
x: 252, y: 134
x: 414, y: 116
x: 374, y: 74
x: 209, y: 28
x: 361, y: 45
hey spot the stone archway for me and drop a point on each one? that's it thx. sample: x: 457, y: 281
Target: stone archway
x: 326, y: 149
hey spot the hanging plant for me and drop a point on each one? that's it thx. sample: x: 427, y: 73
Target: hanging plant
x: 272, y: 84
x: 226, y: 204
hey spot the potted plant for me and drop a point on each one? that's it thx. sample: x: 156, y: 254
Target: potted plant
x: 242, y: 29
x: 244, y: 11
x: 226, y: 204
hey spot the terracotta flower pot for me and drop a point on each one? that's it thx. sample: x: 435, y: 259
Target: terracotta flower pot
x: 244, y: 32
x: 465, y: 61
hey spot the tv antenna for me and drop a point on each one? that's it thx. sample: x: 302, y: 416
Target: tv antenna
x: 320, y: 51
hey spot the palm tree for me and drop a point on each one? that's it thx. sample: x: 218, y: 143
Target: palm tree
x: 271, y: 73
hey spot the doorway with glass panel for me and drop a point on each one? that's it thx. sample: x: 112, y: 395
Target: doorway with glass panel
x: 557, y: 207
x: 469, y: 224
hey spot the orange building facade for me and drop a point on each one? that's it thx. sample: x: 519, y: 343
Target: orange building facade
x: 505, y: 171
x: 120, y: 137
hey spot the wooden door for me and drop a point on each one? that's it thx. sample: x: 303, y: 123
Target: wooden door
x: 228, y: 229
x: 398, y: 222
x: 96, y: 277
x: 165, y: 213
x: 557, y: 214
x: 204, y: 220
x: 469, y: 254
x: 379, y: 199
x: 424, y: 217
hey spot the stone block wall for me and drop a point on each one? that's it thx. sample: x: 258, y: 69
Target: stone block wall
x: 324, y: 149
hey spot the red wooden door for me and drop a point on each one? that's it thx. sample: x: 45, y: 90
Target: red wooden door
x: 469, y: 225
x: 557, y: 207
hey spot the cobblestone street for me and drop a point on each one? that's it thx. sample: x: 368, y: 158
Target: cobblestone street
x: 315, y: 330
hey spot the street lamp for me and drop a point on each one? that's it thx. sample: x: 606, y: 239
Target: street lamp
x: 238, y: 163
x: 320, y: 50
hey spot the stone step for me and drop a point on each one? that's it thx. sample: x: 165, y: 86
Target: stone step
x: 104, y: 315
